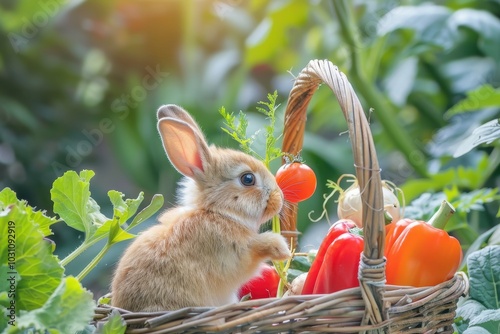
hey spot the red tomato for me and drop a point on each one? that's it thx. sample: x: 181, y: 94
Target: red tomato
x: 297, y: 181
x: 264, y: 285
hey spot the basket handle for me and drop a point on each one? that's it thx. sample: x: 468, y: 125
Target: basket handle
x: 372, y: 265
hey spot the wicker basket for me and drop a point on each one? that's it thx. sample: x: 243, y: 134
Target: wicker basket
x: 372, y: 307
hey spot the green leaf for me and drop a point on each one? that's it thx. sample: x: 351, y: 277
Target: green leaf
x: 467, y: 73
x: 423, y: 207
x: 106, y: 299
x: 485, y: 24
x: 476, y: 330
x: 429, y: 22
x: 147, y: 212
x: 9, y: 197
x: 292, y: 274
x: 484, y: 134
x: 117, y: 233
x: 484, y: 239
x: 39, y: 218
x: 123, y: 210
x: 237, y: 131
x: 68, y: 310
x: 37, y: 271
x: 300, y: 263
x: 484, y: 274
x: 467, y: 311
x: 114, y: 325
x: 484, y: 96
x: 487, y: 319
x: 474, y: 200
x: 72, y: 202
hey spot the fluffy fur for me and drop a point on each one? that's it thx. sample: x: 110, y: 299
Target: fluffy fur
x: 204, y: 249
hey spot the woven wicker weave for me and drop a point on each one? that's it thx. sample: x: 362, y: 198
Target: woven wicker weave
x: 373, y: 307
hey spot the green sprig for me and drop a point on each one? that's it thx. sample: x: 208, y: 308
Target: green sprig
x: 237, y: 129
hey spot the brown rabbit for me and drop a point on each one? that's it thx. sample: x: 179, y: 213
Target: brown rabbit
x: 204, y: 249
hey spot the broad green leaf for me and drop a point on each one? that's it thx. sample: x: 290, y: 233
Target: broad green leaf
x: 68, y: 310
x: 72, y: 202
x: 484, y: 96
x: 399, y: 82
x: 466, y: 312
x: 38, y: 270
x: 151, y: 209
x: 483, y: 239
x: 467, y: 73
x: 484, y: 134
x: 487, y: 319
x: 429, y: 22
x: 9, y: 197
x: 485, y: 24
x: 484, y: 274
x: 476, y: 330
x: 114, y: 325
x: 43, y: 221
x: 124, y: 209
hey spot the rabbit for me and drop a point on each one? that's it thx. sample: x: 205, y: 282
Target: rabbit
x: 205, y: 248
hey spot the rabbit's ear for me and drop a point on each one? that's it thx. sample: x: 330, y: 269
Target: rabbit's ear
x: 185, y: 146
x: 174, y: 111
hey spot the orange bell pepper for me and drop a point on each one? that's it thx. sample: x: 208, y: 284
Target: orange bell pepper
x: 420, y: 254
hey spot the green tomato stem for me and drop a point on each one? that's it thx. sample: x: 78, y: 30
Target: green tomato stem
x: 441, y: 217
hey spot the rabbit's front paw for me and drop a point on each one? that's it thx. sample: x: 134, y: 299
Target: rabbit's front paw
x: 272, y: 246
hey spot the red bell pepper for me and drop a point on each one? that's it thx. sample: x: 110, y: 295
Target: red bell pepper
x: 340, y: 265
x: 336, y: 230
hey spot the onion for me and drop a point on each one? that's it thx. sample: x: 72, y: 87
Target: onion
x: 296, y: 285
x: 350, y: 203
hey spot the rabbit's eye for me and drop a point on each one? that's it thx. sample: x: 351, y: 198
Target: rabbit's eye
x: 247, y: 179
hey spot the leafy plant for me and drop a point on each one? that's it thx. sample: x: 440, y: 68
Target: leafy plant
x: 480, y: 312
x: 72, y: 201
x: 237, y: 130
x: 35, y: 293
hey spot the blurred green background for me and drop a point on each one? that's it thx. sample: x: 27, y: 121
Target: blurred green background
x: 80, y: 82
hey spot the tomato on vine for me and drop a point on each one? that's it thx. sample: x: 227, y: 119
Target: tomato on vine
x: 297, y: 181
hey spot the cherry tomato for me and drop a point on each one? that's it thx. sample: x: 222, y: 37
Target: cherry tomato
x: 297, y: 181
x: 264, y: 285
